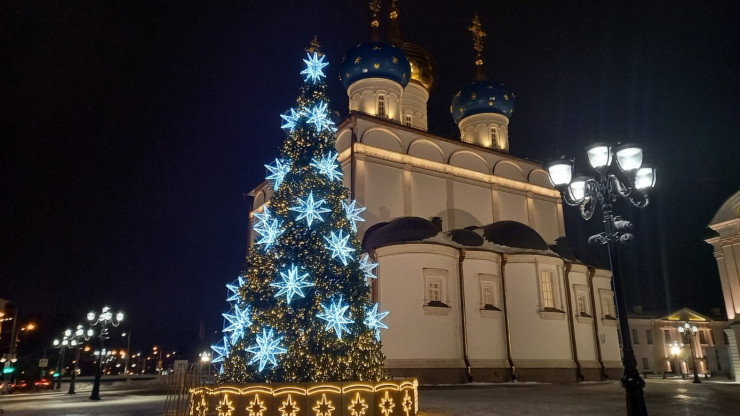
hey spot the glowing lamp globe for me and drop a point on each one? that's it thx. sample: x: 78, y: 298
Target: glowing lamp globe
x: 629, y: 156
x: 91, y: 316
x: 645, y: 177
x: 577, y: 188
x: 599, y: 155
x: 560, y: 172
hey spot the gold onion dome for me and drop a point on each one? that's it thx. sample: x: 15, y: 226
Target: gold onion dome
x: 422, y: 65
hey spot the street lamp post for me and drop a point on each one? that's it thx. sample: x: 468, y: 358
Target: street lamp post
x: 104, y: 318
x: 604, y: 189
x: 690, y: 331
x: 79, y: 335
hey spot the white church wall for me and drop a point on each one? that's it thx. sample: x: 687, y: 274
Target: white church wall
x: 546, y: 219
x: 608, y: 336
x: 383, y: 193
x: 538, y: 338
x: 582, y: 325
x: 472, y: 205
x: 428, y: 195
x: 486, y: 328
x: 426, y: 149
x: 512, y: 207
x: 419, y: 336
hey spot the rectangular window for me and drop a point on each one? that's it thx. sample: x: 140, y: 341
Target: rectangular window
x: 494, y: 138
x: 645, y: 364
x: 581, y: 304
x: 487, y: 295
x: 381, y: 105
x: 546, y: 287
x: 649, y: 336
x: 435, y: 287
x: 607, y: 305
x: 702, y: 337
x: 408, y: 120
x: 635, y: 339
x: 434, y: 291
x: 667, y: 336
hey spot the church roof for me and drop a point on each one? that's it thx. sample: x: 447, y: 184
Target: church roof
x: 514, y: 234
x: 730, y: 210
x: 398, y: 230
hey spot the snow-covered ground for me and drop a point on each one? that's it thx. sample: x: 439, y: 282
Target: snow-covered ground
x: 663, y: 397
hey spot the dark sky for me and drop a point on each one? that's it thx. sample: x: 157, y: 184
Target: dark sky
x: 132, y: 129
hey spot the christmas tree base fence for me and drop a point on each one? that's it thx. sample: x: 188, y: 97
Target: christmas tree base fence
x: 383, y: 398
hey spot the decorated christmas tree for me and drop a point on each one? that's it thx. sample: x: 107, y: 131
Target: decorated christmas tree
x: 302, y: 309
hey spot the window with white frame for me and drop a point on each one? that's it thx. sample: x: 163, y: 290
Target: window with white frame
x: 546, y: 289
x: 435, y: 287
x: 488, y: 292
x: 407, y: 120
x: 494, y: 137
x: 583, y: 308
x: 381, y: 105
x: 581, y: 304
x: 607, y: 304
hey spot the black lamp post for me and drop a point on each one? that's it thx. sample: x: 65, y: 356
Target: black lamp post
x: 103, y: 319
x: 604, y: 189
x: 690, y: 331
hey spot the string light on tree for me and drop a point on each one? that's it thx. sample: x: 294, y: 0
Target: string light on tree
x: 266, y: 349
x: 334, y: 317
x: 328, y: 166
x: 292, y: 284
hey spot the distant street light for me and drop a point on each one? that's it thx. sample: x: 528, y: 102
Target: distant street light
x: 604, y: 189
x: 690, y: 331
x: 103, y: 319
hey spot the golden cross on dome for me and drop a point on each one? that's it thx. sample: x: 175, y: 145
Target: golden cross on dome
x: 478, y: 34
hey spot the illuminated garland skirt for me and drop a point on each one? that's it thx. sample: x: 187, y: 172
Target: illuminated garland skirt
x: 383, y: 398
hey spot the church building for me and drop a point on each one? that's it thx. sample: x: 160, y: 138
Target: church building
x: 472, y: 263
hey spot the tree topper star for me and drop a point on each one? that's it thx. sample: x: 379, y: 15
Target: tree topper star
x: 292, y: 284
x: 266, y: 349
x: 334, y: 317
x: 314, y: 67
x: 309, y: 209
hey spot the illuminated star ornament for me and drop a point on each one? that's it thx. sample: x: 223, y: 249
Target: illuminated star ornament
x: 268, y: 228
x: 310, y: 209
x: 290, y: 119
x: 357, y: 406
x: 323, y: 407
x: 239, y: 320
x: 234, y: 289
x: 328, y: 166
x: 221, y: 349
x: 266, y: 349
x: 334, y: 317
x: 225, y: 407
x: 339, y: 246
x: 292, y: 284
x: 314, y: 67
x: 373, y: 320
x: 257, y: 407
x: 278, y: 169
x: 367, y: 266
x: 353, y: 213
x: 319, y: 117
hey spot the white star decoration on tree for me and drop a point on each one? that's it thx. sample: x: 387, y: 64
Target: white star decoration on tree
x: 328, y: 166
x: 367, y: 266
x: 339, y: 246
x: 314, y: 67
x: 278, y: 169
x: 319, y: 117
x: 334, y: 317
x: 266, y: 349
x: 373, y: 320
x: 269, y: 228
x: 290, y: 119
x: 239, y: 320
x: 292, y: 284
x: 310, y: 209
x: 221, y: 349
x: 234, y: 289
x: 353, y: 213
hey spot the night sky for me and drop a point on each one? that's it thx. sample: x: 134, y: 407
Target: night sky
x: 132, y: 130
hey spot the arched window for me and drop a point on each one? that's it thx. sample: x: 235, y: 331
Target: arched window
x: 381, y: 105
x: 494, y: 137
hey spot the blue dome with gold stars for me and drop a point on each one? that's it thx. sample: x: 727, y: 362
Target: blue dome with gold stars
x: 482, y: 97
x: 374, y: 60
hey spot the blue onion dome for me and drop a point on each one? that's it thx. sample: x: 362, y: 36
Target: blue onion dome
x: 374, y: 60
x: 482, y: 97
